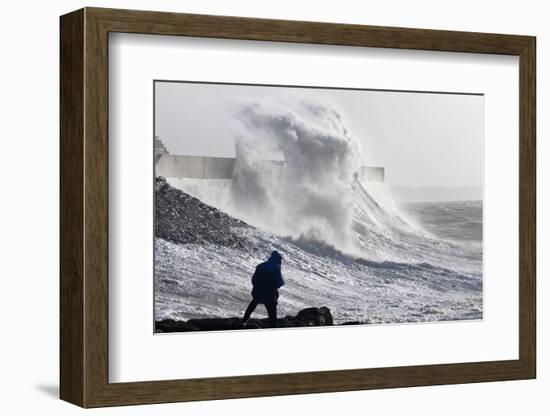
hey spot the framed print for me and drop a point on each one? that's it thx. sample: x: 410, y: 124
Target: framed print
x: 255, y: 207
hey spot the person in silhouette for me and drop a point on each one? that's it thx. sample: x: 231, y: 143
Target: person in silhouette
x: 266, y: 281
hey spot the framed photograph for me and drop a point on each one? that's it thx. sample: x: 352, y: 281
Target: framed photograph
x: 255, y: 207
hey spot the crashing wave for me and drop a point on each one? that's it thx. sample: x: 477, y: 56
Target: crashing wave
x: 346, y: 243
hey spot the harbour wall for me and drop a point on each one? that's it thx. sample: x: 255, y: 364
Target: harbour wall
x: 201, y: 167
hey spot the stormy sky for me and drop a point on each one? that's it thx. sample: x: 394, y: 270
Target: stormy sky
x: 421, y: 139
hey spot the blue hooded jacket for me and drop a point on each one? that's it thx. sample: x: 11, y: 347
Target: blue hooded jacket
x: 267, y: 279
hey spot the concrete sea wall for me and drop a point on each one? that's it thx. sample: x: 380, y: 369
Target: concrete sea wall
x: 195, y: 167
x: 200, y: 167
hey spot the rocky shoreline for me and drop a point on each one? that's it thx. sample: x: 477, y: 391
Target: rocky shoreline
x: 183, y: 219
x: 305, y: 318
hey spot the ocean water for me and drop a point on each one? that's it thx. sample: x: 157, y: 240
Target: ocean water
x: 432, y: 271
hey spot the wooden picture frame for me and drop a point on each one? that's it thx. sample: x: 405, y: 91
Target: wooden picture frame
x: 84, y: 207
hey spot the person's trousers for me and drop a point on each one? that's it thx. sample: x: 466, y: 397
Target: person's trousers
x: 271, y: 308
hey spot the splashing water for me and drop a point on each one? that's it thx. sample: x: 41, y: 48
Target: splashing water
x: 312, y: 195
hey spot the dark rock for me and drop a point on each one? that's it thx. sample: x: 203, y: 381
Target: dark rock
x: 183, y: 219
x: 307, y: 317
x: 216, y: 324
x: 170, y: 325
x: 366, y: 322
x: 315, y: 316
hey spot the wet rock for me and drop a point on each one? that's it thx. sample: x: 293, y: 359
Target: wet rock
x: 365, y: 322
x: 170, y: 325
x: 315, y: 316
x: 306, y: 317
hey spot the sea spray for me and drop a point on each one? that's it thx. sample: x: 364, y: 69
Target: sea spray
x: 313, y: 192
x: 311, y: 196
x: 252, y: 187
x: 296, y: 175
